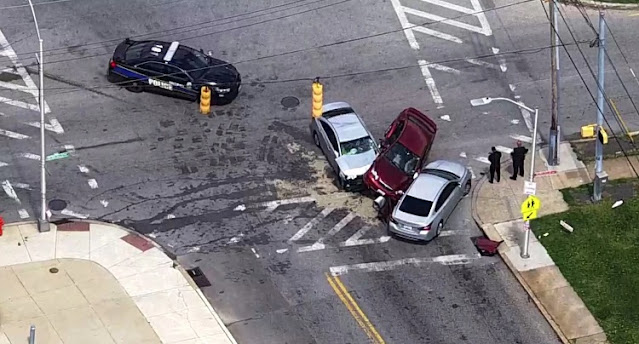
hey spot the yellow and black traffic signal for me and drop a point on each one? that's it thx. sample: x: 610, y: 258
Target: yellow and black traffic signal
x: 205, y: 100
x: 318, y: 94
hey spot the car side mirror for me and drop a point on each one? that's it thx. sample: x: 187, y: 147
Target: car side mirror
x: 379, y: 203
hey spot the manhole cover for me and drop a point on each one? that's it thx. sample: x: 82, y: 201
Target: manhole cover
x: 290, y: 102
x: 57, y: 204
x: 54, y: 270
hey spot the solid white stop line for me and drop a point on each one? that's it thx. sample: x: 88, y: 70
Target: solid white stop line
x: 453, y: 259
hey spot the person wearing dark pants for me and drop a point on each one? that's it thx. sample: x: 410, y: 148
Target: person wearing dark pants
x: 518, y: 155
x: 495, y: 162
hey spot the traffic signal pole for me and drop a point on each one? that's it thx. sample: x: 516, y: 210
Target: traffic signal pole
x: 554, y: 136
x: 600, y: 176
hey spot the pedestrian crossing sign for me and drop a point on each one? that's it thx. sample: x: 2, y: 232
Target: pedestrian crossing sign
x: 530, y: 207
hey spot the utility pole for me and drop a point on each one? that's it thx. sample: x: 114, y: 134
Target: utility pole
x: 43, y: 223
x: 553, y: 145
x: 600, y: 176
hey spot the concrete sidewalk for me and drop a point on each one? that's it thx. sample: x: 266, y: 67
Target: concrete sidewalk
x: 89, y: 282
x: 496, y: 209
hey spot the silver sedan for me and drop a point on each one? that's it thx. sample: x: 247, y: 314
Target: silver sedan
x: 348, y: 146
x: 423, y: 210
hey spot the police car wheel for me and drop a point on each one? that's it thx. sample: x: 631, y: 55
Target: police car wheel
x: 134, y: 87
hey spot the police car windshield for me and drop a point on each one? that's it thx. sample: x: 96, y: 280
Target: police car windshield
x: 191, y: 60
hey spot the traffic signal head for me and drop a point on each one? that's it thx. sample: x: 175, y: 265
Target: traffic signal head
x: 205, y: 100
x: 318, y: 95
x: 603, y: 136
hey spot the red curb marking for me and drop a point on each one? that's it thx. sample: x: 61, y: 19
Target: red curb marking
x: 138, y: 242
x: 545, y: 173
x: 74, y: 227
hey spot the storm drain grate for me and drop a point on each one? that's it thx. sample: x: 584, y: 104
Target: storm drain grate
x: 198, y: 277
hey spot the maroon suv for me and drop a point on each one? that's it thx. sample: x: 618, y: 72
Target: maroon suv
x: 404, y: 150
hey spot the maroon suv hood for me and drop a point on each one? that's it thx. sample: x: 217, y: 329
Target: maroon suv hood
x: 389, y: 174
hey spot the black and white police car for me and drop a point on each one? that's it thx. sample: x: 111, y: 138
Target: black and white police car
x: 172, y: 69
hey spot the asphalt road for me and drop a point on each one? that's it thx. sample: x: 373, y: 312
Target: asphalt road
x: 204, y: 186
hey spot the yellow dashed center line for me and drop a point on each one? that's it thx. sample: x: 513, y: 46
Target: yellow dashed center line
x: 353, y: 308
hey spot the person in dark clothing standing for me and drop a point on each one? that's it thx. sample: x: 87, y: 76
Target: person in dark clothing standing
x: 495, y: 162
x: 519, y: 155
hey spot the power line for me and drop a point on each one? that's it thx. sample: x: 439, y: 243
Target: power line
x: 224, y: 20
x: 328, y: 44
x: 334, y: 76
x: 190, y: 30
x: 35, y: 4
x: 584, y: 81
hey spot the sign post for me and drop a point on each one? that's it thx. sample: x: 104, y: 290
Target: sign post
x: 529, y: 209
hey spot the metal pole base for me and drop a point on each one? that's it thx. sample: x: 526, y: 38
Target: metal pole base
x: 553, y: 145
x: 43, y: 226
x: 601, y: 179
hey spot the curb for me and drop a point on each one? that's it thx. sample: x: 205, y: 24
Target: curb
x: 176, y: 265
x: 600, y: 4
x: 506, y: 260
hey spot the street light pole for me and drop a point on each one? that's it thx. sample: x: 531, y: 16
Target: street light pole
x: 43, y: 224
x: 487, y: 100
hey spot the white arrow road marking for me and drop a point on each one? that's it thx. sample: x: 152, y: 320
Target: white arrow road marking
x: 483, y: 159
x: 482, y: 63
x: 74, y: 214
x: 355, y: 239
x: 23, y: 213
x: 8, y: 189
x: 455, y: 259
x: 272, y: 205
x: 53, y: 126
x: 307, y: 227
x: 13, y: 135
x: 93, y: 183
x: 504, y: 150
x: 430, y: 82
x: 319, y: 244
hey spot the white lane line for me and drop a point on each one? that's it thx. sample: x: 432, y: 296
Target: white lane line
x: 83, y: 169
x: 255, y: 252
x: 31, y: 87
x: 281, y: 250
x: 437, y: 34
x: 68, y: 212
x: 481, y: 16
x: 319, y: 244
x: 93, y: 183
x: 19, y: 104
x: 503, y: 149
x: 452, y: 232
x: 13, y: 135
x: 501, y: 59
x: 451, y: 6
x: 521, y: 138
x: 526, y: 115
x: 169, y: 216
x: 53, y: 126
x: 272, y: 205
x: 30, y: 156
x: 455, y: 259
x: 482, y: 63
x: 443, y: 68
x: 22, y: 186
x: 433, y: 17
x: 430, y: 82
x: 472, y: 173
x: 23, y: 213
x: 379, y: 240
x: 408, y: 28
x: 307, y: 227
x: 8, y: 189
x: 483, y: 159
